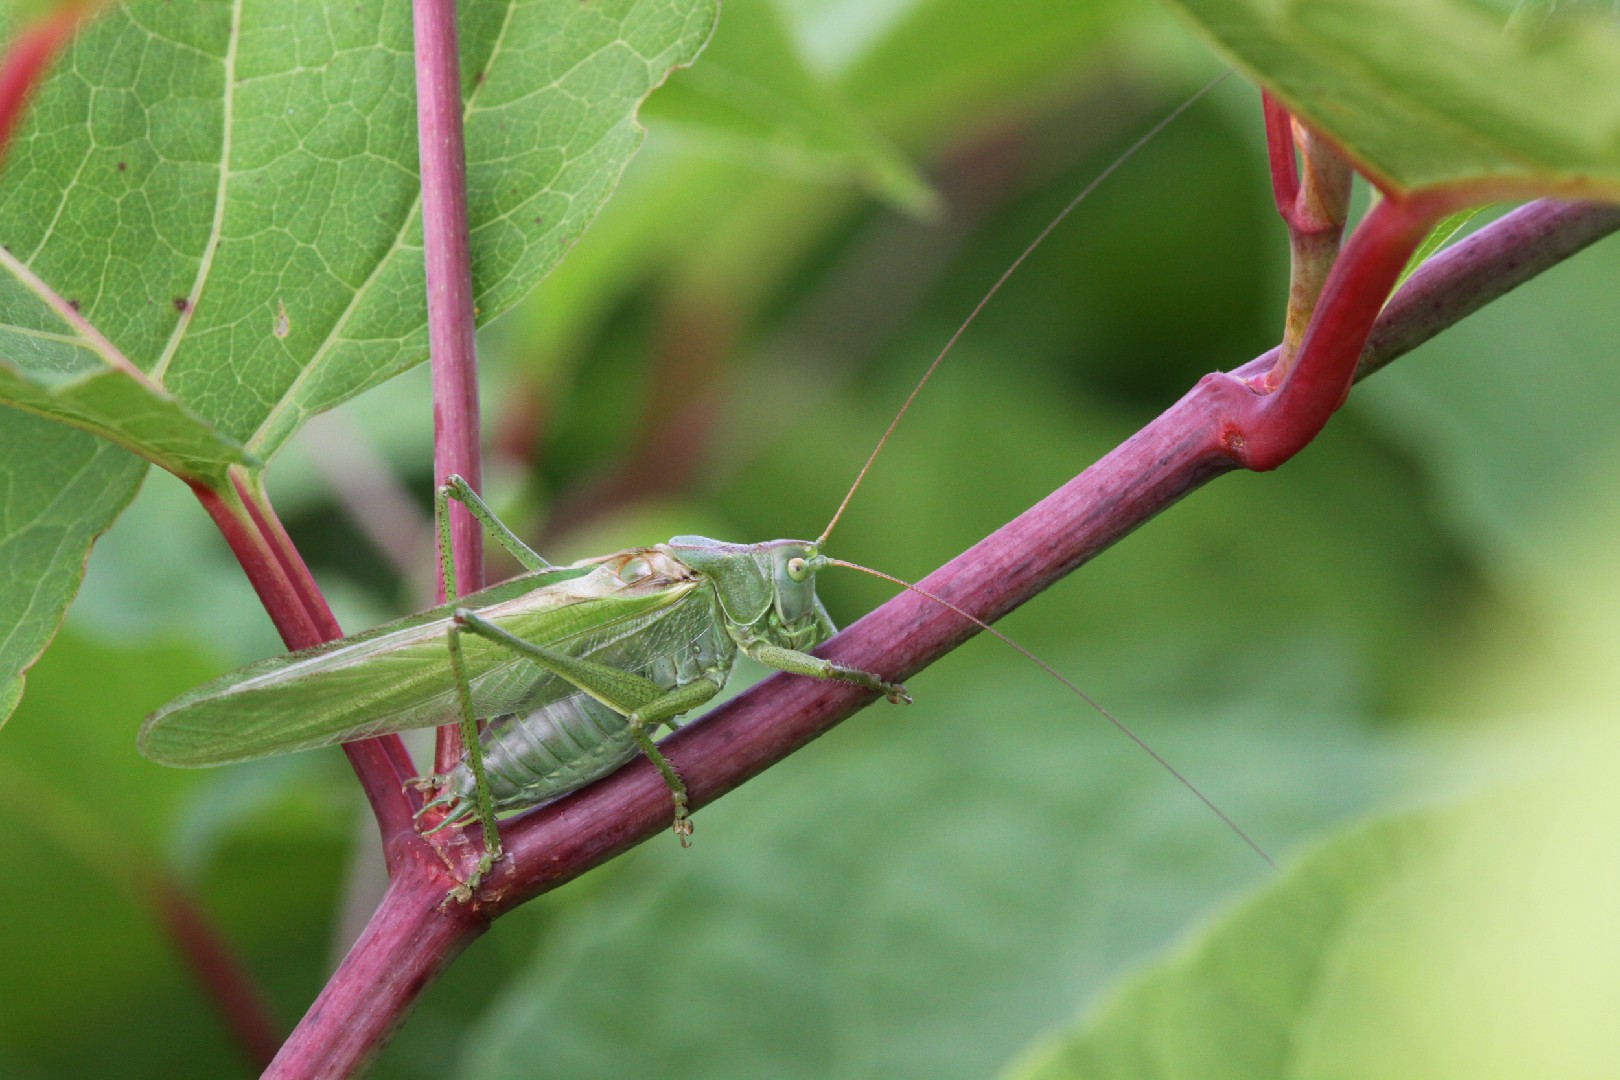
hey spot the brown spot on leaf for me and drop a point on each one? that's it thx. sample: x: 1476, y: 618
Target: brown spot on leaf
x: 74, y: 304
x: 180, y: 304
x: 122, y: 166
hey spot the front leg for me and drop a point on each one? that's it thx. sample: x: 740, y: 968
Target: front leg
x: 664, y: 710
x: 802, y: 663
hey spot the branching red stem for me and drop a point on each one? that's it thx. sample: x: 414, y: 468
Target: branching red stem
x: 412, y: 937
x: 1266, y: 421
x: 263, y: 568
x: 1314, y: 209
x: 451, y: 319
x: 382, y: 765
x: 301, y: 616
x: 290, y: 563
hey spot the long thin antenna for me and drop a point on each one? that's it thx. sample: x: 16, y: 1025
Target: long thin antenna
x: 1081, y: 694
x: 1112, y: 167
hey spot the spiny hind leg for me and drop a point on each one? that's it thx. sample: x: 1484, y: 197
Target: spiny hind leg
x: 457, y: 488
x: 802, y: 663
x: 473, y: 748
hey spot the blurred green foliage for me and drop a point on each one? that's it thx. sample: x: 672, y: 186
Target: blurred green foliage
x: 923, y: 893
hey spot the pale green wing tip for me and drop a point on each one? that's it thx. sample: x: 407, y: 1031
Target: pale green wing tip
x: 163, y: 744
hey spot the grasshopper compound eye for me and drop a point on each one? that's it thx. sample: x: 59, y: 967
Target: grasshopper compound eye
x: 798, y: 569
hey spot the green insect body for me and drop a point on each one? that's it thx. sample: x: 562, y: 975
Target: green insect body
x: 563, y: 738
x: 572, y: 667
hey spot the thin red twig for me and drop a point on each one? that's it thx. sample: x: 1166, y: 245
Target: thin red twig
x: 1280, y: 155
x: 292, y: 565
x: 265, y: 572
x: 1314, y: 210
x: 1268, y: 422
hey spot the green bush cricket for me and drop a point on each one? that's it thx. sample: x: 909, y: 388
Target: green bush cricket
x: 574, y: 667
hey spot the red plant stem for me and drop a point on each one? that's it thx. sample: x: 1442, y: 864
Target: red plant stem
x: 264, y: 570
x: 217, y: 967
x: 302, y: 617
x: 405, y: 945
x: 1264, y: 429
x: 1470, y: 274
x: 1314, y: 212
x: 1280, y: 156
x: 27, y: 60
x: 292, y: 565
x: 449, y: 295
x: 382, y: 764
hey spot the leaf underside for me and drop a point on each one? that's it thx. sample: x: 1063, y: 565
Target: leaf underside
x: 1427, y: 94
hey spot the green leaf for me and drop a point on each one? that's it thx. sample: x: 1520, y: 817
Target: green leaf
x: 1438, y: 238
x: 10, y: 693
x: 753, y: 93
x: 1426, y: 94
x: 1474, y: 942
x: 54, y: 364
x: 228, y: 192
x: 62, y: 488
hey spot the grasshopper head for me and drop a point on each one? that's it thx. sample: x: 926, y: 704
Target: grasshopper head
x: 776, y: 579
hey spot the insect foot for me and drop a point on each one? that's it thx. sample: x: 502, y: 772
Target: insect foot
x: 465, y: 890
x: 683, y: 825
x: 896, y: 693
x: 422, y: 784
x: 463, y: 893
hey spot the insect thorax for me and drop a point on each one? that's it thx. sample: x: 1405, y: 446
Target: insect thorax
x: 761, y: 600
